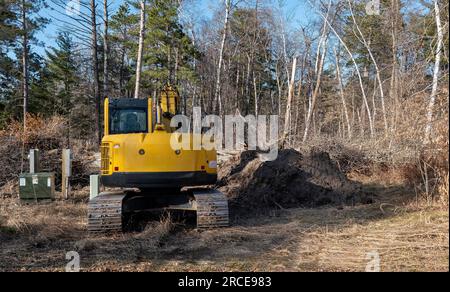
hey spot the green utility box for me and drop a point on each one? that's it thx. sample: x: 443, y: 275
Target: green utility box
x: 37, y: 186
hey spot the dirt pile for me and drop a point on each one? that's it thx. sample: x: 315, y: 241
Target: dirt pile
x: 292, y: 180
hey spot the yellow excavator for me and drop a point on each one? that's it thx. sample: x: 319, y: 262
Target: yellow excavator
x: 146, y: 173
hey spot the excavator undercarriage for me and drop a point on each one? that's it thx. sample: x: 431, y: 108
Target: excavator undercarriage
x: 107, y: 212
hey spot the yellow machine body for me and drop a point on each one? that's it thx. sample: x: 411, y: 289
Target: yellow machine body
x: 141, y: 155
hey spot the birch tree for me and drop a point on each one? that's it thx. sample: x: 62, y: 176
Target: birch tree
x: 140, y: 49
x: 440, y: 37
x: 287, y: 117
x: 217, y: 96
x: 341, y: 93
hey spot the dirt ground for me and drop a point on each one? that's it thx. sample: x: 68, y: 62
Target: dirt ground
x: 298, y: 213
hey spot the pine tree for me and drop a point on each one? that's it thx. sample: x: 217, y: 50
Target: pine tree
x: 19, y: 23
x: 168, y: 51
x: 8, y: 35
x: 121, y: 41
x: 62, y: 72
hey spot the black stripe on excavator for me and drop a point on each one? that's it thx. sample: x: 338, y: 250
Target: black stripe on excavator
x: 158, y: 179
x: 125, y: 103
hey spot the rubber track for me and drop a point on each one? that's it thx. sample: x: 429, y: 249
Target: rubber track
x: 105, y: 213
x: 212, y: 209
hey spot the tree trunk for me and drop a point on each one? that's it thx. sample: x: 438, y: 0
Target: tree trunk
x: 194, y: 94
x: 341, y: 92
x: 440, y: 37
x: 299, y: 95
x: 236, y: 100
x: 175, y: 70
x: 287, y: 116
x: 95, y: 70
x: 121, y: 77
x: 255, y: 89
x: 25, y: 64
x: 394, y: 76
x: 247, y: 91
x: 140, y: 50
x: 279, y: 85
x: 217, y: 97
x: 106, y: 49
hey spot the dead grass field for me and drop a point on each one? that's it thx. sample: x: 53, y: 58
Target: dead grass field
x: 408, y: 235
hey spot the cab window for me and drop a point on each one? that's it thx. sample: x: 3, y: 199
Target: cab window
x: 127, y: 121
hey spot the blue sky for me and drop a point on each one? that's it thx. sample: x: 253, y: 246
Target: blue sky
x: 297, y: 11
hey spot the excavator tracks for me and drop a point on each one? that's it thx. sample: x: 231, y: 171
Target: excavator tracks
x: 105, y: 213
x: 212, y: 209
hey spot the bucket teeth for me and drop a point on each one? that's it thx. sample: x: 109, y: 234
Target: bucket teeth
x: 212, y: 209
x: 105, y: 213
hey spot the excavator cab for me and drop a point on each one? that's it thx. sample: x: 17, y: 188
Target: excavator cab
x: 136, y: 149
x: 137, y: 156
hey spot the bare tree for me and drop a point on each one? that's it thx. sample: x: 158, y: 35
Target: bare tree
x: 106, y: 48
x: 316, y: 91
x: 95, y: 65
x: 358, y: 72
x: 140, y: 50
x: 320, y: 60
x: 341, y: 93
x: 377, y: 70
x: 25, y: 63
x: 440, y: 37
x: 287, y: 117
x: 217, y: 97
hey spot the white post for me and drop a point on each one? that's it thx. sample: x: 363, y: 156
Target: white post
x: 94, y: 186
x: 34, y: 160
x: 66, y: 172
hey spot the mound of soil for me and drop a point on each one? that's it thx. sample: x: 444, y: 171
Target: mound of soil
x: 292, y: 180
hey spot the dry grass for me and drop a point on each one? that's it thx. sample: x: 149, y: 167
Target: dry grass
x: 156, y: 232
x: 307, y: 240
x: 38, y: 129
x: 46, y: 221
x: 407, y: 236
x: 46, y: 135
x: 416, y: 241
